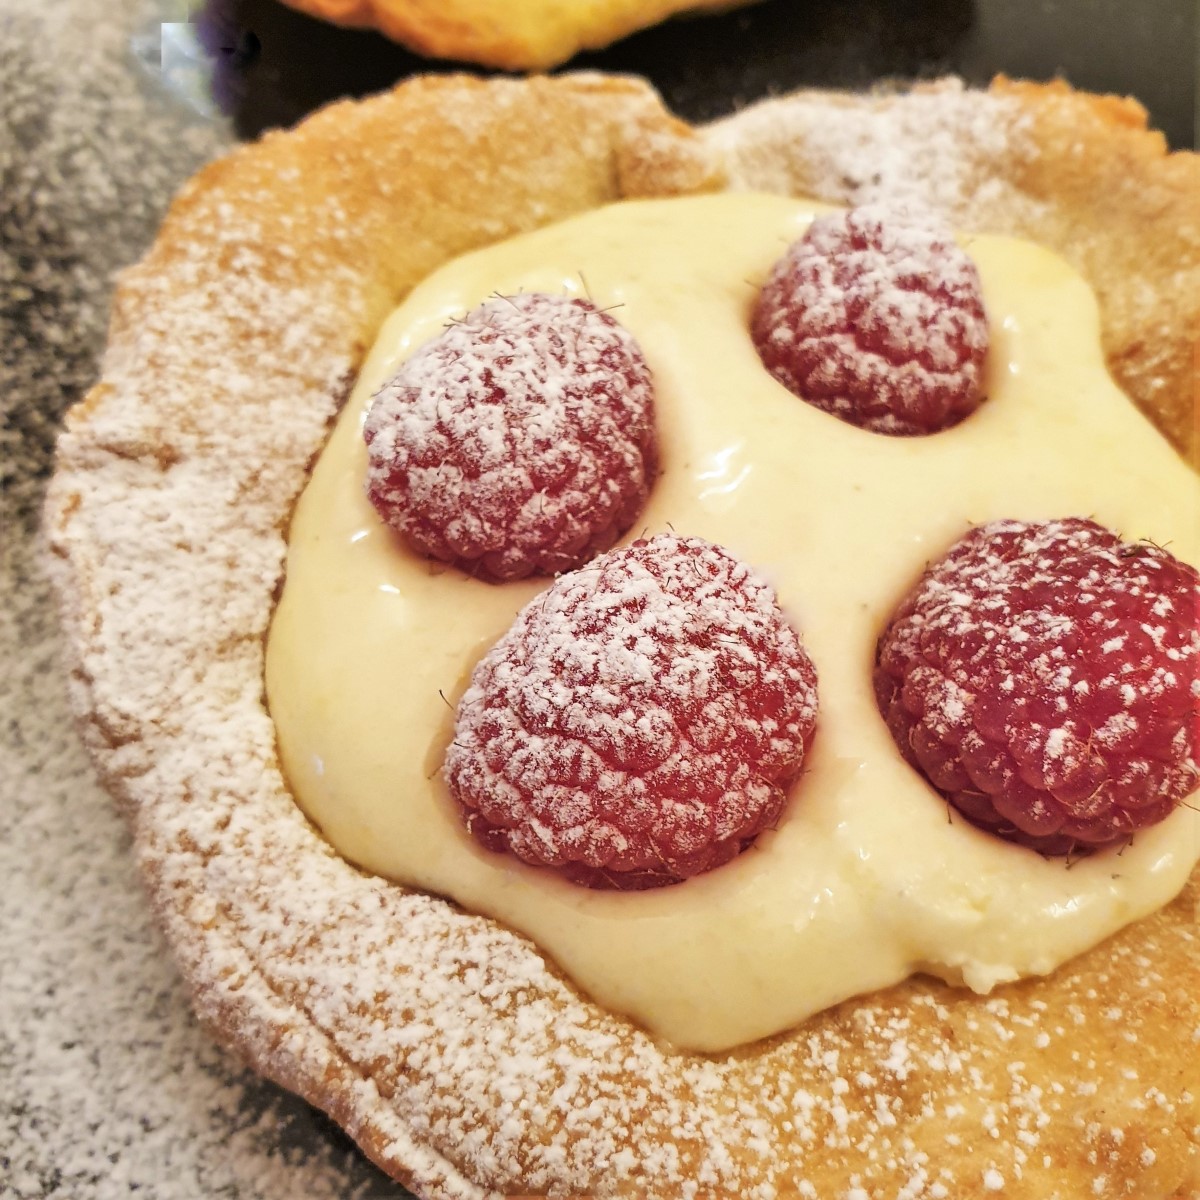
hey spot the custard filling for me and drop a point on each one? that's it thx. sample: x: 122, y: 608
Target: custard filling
x: 868, y: 878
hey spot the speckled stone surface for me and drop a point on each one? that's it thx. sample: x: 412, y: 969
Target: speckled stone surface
x: 108, y: 1088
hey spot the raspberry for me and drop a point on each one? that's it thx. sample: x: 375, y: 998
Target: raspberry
x: 519, y: 441
x: 639, y: 722
x: 878, y: 319
x: 1044, y: 678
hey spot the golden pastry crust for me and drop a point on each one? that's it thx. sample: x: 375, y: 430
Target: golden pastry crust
x: 447, y: 1047
x: 519, y: 35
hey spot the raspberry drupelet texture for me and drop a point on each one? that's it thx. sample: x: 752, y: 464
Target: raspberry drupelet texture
x: 876, y: 317
x: 521, y: 440
x: 1045, y: 678
x: 640, y: 721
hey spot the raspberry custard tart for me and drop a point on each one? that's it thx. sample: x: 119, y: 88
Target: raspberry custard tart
x: 806, y: 807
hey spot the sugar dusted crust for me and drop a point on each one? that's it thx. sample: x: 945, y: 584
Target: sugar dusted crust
x: 517, y: 35
x: 447, y: 1047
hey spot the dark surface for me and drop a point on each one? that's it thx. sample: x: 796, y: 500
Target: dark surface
x: 277, y: 65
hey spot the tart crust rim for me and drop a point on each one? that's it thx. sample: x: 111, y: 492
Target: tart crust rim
x: 626, y: 145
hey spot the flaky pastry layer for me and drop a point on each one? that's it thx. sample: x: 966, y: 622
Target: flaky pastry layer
x: 447, y: 1046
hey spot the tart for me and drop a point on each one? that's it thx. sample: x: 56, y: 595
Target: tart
x: 522, y: 35
x: 456, y: 1055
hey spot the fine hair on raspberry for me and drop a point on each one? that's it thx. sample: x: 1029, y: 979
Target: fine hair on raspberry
x: 1045, y: 678
x: 519, y: 441
x: 876, y: 316
x: 641, y: 720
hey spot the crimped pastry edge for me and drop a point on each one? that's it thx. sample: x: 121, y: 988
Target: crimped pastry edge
x: 147, y: 479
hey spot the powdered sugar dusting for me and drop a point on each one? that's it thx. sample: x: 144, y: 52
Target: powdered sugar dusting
x: 1022, y: 677
x: 640, y: 721
x: 939, y: 148
x: 876, y: 316
x: 520, y: 440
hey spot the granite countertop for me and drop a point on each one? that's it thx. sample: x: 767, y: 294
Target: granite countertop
x: 108, y: 1087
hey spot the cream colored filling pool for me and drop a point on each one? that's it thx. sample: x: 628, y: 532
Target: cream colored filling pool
x: 866, y: 880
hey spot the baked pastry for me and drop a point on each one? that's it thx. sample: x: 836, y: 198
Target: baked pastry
x: 456, y: 1056
x: 522, y: 35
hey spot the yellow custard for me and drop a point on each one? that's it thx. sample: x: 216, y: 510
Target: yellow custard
x: 866, y: 880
